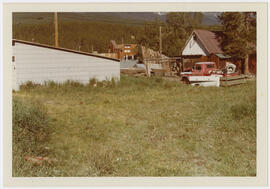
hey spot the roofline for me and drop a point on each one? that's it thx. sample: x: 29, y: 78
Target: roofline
x: 186, y: 42
x: 201, y: 39
x: 61, y: 49
x: 189, y: 40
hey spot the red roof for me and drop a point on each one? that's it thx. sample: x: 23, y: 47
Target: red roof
x: 209, y: 40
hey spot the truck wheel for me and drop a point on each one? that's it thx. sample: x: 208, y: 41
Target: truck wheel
x: 186, y: 81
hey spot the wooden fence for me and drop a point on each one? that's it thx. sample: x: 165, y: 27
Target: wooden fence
x: 232, y: 80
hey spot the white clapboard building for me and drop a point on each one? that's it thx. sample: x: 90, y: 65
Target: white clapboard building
x: 38, y: 63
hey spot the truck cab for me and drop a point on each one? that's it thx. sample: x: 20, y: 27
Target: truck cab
x: 203, y: 68
x: 199, y: 69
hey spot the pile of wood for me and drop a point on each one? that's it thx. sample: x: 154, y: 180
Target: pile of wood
x: 159, y: 64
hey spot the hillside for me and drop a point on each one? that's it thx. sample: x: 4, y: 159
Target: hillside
x: 138, y: 18
x: 86, y: 31
x: 106, y: 17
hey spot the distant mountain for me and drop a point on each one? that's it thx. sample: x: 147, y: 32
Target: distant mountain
x: 137, y: 18
x: 134, y: 18
x: 211, y: 18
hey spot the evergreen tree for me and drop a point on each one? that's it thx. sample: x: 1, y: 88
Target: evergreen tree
x: 238, y: 38
x: 149, y: 36
x: 175, y: 31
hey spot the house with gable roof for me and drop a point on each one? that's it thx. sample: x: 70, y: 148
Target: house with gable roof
x: 204, y: 45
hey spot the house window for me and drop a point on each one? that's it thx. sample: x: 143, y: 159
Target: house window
x: 127, y: 46
x: 13, y: 58
x: 127, y: 51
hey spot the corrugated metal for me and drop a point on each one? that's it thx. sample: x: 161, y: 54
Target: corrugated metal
x: 39, y: 64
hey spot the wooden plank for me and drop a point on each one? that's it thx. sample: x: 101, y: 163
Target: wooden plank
x: 229, y: 78
x: 232, y: 82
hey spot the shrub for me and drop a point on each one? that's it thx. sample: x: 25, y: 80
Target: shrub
x: 92, y: 82
x: 30, y: 126
x: 28, y: 85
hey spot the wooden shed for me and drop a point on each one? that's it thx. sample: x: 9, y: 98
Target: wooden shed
x: 204, y: 45
x: 38, y: 63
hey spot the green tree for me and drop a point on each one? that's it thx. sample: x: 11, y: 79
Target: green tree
x: 175, y: 32
x: 149, y: 36
x: 238, y: 37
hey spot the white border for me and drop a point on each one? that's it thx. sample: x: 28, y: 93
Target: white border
x: 154, y: 181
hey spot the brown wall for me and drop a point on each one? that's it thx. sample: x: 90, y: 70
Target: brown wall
x: 121, y: 50
x: 252, y: 63
x: 221, y: 63
x: 132, y: 50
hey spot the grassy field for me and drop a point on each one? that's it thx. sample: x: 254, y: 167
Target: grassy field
x: 137, y: 127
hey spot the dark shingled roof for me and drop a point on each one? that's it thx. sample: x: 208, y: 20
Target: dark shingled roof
x: 209, y: 40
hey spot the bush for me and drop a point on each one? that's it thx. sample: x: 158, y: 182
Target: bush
x: 30, y: 126
x: 92, y: 82
x: 28, y: 85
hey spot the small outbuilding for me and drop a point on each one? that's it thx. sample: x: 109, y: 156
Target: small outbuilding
x: 38, y: 63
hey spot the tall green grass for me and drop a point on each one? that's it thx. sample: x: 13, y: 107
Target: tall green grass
x: 30, y: 132
x: 143, y: 126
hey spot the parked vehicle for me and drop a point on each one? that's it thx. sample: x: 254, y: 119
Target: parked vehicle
x: 207, y: 74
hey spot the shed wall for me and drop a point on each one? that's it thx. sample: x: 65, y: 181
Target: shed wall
x: 39, y: 64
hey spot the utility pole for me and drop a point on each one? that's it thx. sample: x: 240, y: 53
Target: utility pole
x: 56, y: 29
x: 160, y: 41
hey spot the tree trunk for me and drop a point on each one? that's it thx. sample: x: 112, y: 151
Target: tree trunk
x: 246, y: 65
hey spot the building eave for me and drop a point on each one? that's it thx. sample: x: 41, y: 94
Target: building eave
x: 61, y: 49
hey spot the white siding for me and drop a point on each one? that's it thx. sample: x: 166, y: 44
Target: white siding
x: 194, y: 47
x: 39, y: 64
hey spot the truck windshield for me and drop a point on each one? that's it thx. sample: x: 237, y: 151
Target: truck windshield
x: 198, y: 67
x: 210, y: 65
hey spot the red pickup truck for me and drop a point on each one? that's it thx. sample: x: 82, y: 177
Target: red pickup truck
x: 208, y: 69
